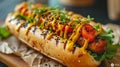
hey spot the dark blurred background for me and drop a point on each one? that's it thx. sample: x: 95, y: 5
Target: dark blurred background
x: 98, y: 10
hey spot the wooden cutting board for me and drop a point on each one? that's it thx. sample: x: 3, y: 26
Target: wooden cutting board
x: 12, y: 60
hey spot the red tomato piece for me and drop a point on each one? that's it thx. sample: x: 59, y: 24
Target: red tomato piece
x: 88, y: 32
x: 70, y: 29
x: 22, y: 8
x: 40, y: 21
x: 26, y: 13
x: 56, y: 26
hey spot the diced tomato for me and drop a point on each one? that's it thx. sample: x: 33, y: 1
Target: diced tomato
x: 63, y: 28
x: 88, y: 32
x: 21, y: 8
x: 56, y: 26
x: 40, y: 21
x: 24, y: 5
x: 70, y: 29
x: 26, y: 13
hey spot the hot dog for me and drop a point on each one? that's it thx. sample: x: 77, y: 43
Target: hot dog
x: 61, y: 35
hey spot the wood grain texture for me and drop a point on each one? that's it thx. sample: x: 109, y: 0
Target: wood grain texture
x: 12, y: 60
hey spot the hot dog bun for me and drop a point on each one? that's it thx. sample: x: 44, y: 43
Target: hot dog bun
x: 34, y: 38
x: 49, y: 47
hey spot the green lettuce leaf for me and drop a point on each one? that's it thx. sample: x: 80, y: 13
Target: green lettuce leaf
x: 4, y: 33
x: 98, y: 57
x: 111, y: 50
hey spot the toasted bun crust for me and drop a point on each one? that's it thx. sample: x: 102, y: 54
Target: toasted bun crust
x: 48, y: 47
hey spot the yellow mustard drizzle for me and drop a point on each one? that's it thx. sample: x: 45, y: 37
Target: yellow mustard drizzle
x: 37, y: 16
x: 69, y: 45
x: 74, y: 31
x: 18, y: 27
x: 61, y: 31
x: 49, y: 36
x: 60, y: 27
x: 23, y: 11
x: 31, y: 24
x: 28, y: 28
x: 77, y: 35
x: 43, y: 23
x: 83, y: 48
x: 73, y: 38
x: 53, y: 24
x: 29, y: 15
x: 66, y: 30
x: 70, y: 23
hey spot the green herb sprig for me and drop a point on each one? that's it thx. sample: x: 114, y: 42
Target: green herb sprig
x: 97, y: 27
x: 39, y: 11
x: 21, y: 17
x: 89, y: 18
x: 51, y: 30
x: 107, y: 35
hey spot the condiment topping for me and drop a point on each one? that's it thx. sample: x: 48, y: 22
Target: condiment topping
x: 60, y: 22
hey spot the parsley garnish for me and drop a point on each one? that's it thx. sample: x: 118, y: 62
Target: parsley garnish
x: 97, y: 27
x: 51, y: 30
x: 39, y: 11
x: 89, y: 18
x: 63, y: 18
x: 84, y: 20
x: 55, y: 10
x: 107, y: 35
x: 21, y: 17
x: 41, y: 26
x: 30, y: 20
x: 77, y: 21
x: 37, y: 20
